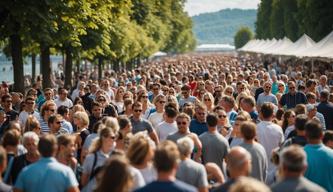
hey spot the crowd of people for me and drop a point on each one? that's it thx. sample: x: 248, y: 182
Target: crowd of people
x: 202, y: 123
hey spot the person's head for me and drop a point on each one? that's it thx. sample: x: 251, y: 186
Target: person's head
x: 62, y: 92
x: 267, y: 87
x: 11, y: 138
x: 311, y: 97
x: 200, y: 112
x: 63, y: 111
x: 30, y: 142
x: 238, y: 162
x: 3, y: 116
x: 228, y: 103
x: 248, y: 184
x: 248, y: 103
x: 328, y: 139
x: 156, y: 87
x: 3, y: 159
x: 137, y: 109
x: 142, y: 96
x: 288, y: 119
x: 324, y: 94
x: 141, y: 149
x: 300, y: 109
x: 81, y: 119
x: 323, y: 80
x: 96, y: 109
x: 185, y: 146
x: 208, y: 99
x: 291, y: 87
x: 159, y: 101
x: 32, y: 124
x: 32, y: 93
x: 170, y: 111
x: 48, y: 108
x: 183, y: 122
x: 6, y: 101
x: 116, y: 173
x: 54, y: 123
x: 212, y: 120
x: 292, y: 161
x: 124, y: 124
x: 281, y: 86
x: 267, y: 110
x: 47, y: 145
x: 105, y: 141
x: 313, y: 131
x: 248, y: 130
x: 186, y: 91
x: 166, y: 157
x: 30, y: 104
x: 48, y: 94
x: 311, y: 110
x: 66, y: 145
x: 300, y: 122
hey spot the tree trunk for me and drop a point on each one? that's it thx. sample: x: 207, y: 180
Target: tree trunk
x: 68, y: 68
x: 33, y: 67
x: 16, y: 52
x: 46, y: 68
x: 100, y: 65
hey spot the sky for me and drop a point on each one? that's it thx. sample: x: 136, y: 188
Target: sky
x: 195, y: 7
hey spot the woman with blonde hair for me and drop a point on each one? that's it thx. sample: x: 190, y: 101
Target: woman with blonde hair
x: 32, y: 124
x: 119, y: 99
x: 48, y: 108
x: 81, y: 121
x: 157, y: 117
x: 146, y: 105
x: 208, y: 100
x: 99, y: 152
x: 228, y: 90
x: 140, y: 154
x: 223, y: 125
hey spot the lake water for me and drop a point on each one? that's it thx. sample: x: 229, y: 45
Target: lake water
x: 6, y: 67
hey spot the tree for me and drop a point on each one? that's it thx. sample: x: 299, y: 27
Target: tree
x: 263, y: 22
x: 277, y: 20
x: 291, y: 27
x: 243, y: 35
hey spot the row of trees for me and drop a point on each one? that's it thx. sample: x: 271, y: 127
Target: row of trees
x: 99, y: 30
x: 293, y: 18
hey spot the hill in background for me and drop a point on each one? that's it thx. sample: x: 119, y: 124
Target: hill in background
x: 221, y: 26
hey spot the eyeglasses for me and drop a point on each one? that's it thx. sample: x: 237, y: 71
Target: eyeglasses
x: 207, y: 99
x: 224, y: 116
x: 201, y: 113
x: 182, y: 123
x: 268, y: 87
x: 138, y: 110
x: 162, y: 102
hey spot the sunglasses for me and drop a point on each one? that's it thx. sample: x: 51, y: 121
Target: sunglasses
x: 58, y: 122
x: 52, y: 110
x: 30, y: 103
x: 268, y: 87
x: 207, y: 100
x: 162, y: 102
x: 101, y: 100
x: 181, y: 123
x: 224, y: 116
x: 144, y: 96
x: 138, y: 110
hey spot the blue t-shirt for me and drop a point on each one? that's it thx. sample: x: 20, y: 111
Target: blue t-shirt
x: 46, y: 175
x: 197, y: 127
x: 320, y: 165
x: 167, y: 186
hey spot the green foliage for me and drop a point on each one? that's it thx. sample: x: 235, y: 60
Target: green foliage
x: 292, y: 18
x: 263, y: 19
x: 221, y: 27
x: 243, y: 35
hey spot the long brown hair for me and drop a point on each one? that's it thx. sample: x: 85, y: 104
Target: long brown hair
x: 115, y: 176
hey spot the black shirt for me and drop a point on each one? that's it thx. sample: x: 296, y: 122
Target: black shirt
x: 19, y: 163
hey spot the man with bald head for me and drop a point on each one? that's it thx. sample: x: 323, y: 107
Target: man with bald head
x: 238, y: 164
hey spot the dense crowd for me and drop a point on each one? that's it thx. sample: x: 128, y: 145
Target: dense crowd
x: 184, y: 123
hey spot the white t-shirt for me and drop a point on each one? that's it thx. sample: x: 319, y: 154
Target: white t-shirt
x: 68, y: 103
x: 270, y: 136
x: 164, y: 129
x: 155, y: 119
x: 149, y: 173
x: 24, y: 116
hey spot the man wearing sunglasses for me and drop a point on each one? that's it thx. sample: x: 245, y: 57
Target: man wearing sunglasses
x: 293, y: 97
x: 7, y: 106
x: 266, y: 96
x: 140, y: 124
x: 29, y: 109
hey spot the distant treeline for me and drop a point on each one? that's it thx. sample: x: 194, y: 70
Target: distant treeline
x: 221, y: 26
x: 293, y: 18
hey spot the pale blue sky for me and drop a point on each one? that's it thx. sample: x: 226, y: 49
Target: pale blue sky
x: 194, y: 7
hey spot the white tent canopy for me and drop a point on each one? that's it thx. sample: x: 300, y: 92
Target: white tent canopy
x: 303, y: 47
